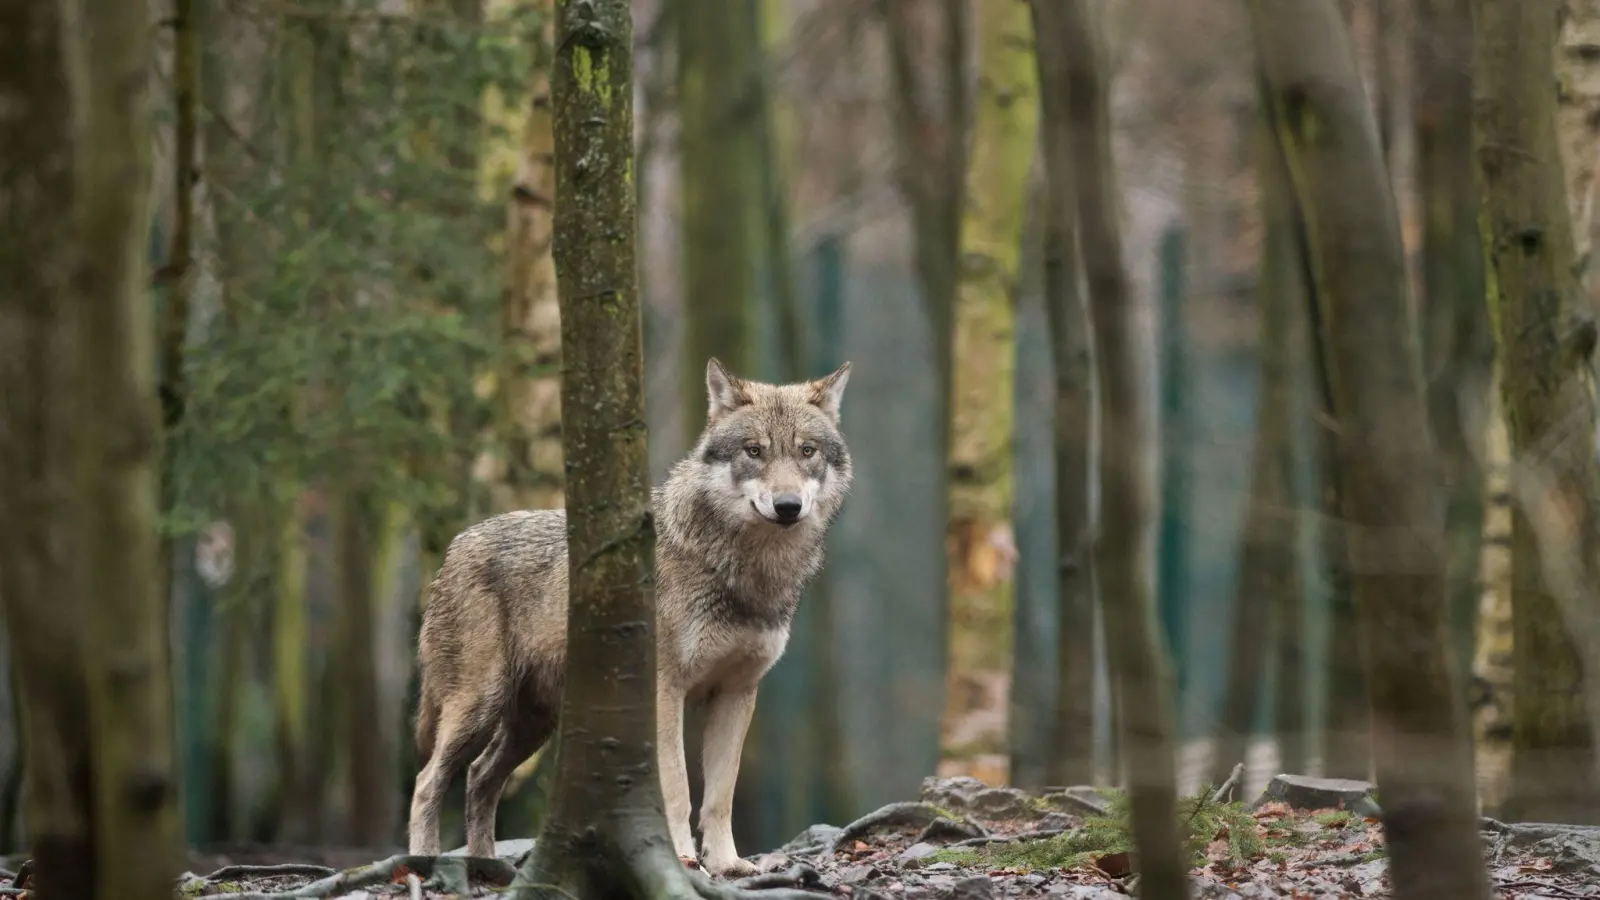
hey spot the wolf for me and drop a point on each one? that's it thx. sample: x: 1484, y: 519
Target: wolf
x: 740, y: 526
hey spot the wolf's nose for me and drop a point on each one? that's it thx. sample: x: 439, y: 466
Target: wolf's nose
x: 787, y: 506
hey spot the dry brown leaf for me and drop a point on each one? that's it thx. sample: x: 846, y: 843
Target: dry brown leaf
x: 1117, y: 865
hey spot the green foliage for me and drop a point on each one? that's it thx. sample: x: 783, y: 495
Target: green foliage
x: 1203, y: 821
x: 355, y: 303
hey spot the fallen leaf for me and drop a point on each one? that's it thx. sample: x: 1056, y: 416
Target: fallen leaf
x: 1542, y: 864
x: 861, y: 845
x: 1117, y: 865
x: 399, y: 875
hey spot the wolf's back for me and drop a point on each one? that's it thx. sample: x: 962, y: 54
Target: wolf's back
x: 498, y: 595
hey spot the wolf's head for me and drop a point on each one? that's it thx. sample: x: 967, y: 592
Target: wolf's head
x: 772, y: 455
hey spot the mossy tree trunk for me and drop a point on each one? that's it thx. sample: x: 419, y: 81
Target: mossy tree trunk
x: 1269, y: 593
x: 1458, y: 344
x: 79, y: 433
x: 1349, y: 232
x: 1072, y: 350
x: 606, y: 834
x: 1577, y: 62
x: 1005, y: 126
x: 1545, y: 337
x: 1124, y: 559
x: 40, y: 572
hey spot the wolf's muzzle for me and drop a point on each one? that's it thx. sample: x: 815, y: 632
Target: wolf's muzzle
x: 787, y: 508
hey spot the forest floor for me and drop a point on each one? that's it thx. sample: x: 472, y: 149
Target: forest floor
x: 1304, y: 837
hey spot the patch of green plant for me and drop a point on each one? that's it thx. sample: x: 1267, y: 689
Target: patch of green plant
x: 1335, y: 818
x: 1201, y: 818
x: 1278, y: 857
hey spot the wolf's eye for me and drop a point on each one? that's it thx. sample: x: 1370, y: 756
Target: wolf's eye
x: 754, y: 450
x: 808, y: 451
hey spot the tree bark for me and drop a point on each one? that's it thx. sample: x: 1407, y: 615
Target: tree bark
x: 606, y: 834
x: 1005, y: 125
x: 1127, y: 466
x: 1458, y: 341
x: 719, y: 147
x: 1072, y: 351
x: 40, y: 575
x: 1283, y: 332
x: 111, y: 510
x: 931, y: 108
x: 1577, y: 64
x: 1545, y: 335
x: 1349, y: 233
x: 1269, y: 582
x: 530, y: 382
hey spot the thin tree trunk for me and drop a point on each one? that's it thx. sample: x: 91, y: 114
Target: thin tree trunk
x: 1269, y: 582
x: 1282, y: 293
x: 1127, y: 466
x: 1545, y: 337
x: 40, y: 574
x: 931, y: 108
x: 1458, y: 343
x: 1072, y: 351
x: 1349, y: 233
x: 606, y: 834
x: 723, y: 210
x: 1494, y: 647
x: 114, y: 504
x: 1577, y: 64
x: 530, y: 382
x: 370, y: 770
x: 1005, y: 126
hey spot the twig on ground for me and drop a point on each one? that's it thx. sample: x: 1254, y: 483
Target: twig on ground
x: 1226, y: 791
x: 1010, y: 839
x: 1541, y: 886
x: 916, y: 815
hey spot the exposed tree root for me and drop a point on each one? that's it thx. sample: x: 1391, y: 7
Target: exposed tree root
x: 451, y: 874
x: 914, y: 815
x: 239, y: 873
x: 798, y: 875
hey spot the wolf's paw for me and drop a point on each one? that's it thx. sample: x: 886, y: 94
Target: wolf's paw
x: 732, y: 867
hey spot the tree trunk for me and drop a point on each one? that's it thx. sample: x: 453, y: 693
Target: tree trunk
x: 1458, y: 342
x: 1494, y: 650
x: 1072, y: 352
x: 1282, y: 303
x: 1005, y: 125
x: 931, y: 109
x: 136, y: 812
x: 356, y: 542
x: 1269, y: 582
x: 719, y: 146
x: 1349, y: 233
x: 1577, y: 62
x: 1127, y: 466
x: 40, y: 573
x: 1545, y: 336
x: 606, y: 834
x: 530, y: 382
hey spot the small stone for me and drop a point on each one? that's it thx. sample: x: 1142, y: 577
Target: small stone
x: 1001, y: 803
x: 919, y: 850
x: 812, y: 836
x: 1306, y: 792
x: 1081, y: 799
x: 978, y: 887
x: 509, y: 850
x: 771, y: 862
x: 857, y: 874
x: 940, y: 867
x: 1032, y: 880
x: 951, y: 793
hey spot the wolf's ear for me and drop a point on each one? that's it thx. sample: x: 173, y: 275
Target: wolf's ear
x: 725, y: 392
x: 827, y: 392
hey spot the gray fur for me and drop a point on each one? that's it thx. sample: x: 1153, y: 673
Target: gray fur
x: 492, y: 647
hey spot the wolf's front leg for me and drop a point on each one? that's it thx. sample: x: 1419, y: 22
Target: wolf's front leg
x: 727, y: 720
x: 674, y: 773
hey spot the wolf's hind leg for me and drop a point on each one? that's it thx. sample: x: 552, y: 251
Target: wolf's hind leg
x: 461, y: 727
x: 727, y: 721
x: 517, y: 736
